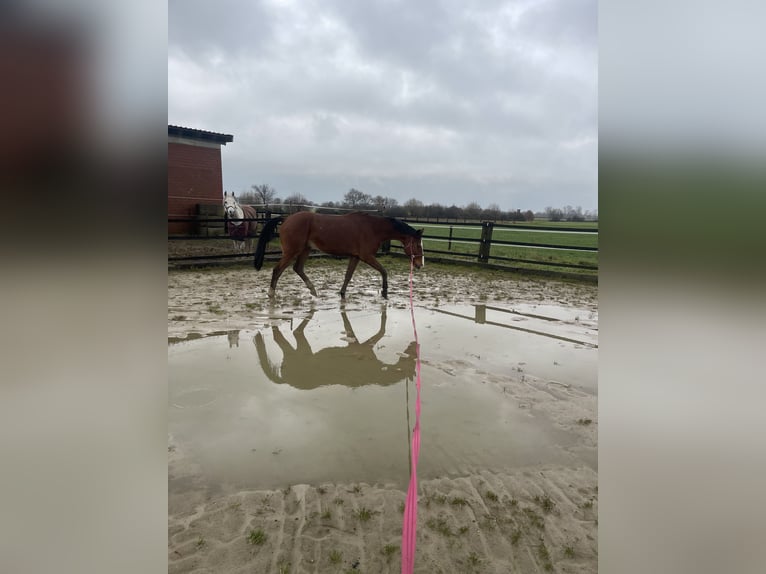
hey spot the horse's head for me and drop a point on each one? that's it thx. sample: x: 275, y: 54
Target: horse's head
x: 413, y: 247
x: 230, y: 205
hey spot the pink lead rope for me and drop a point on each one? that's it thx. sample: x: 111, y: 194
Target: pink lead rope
x: 410, y: 525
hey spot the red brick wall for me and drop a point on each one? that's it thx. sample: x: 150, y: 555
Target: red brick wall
x: 194, y: 176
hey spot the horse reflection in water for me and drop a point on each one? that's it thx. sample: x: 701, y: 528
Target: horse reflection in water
x: 354, y: 365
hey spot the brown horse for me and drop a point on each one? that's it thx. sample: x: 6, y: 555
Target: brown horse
x: 354, y: 235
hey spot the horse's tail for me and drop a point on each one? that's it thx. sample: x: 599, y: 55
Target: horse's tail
x: 266, y: 234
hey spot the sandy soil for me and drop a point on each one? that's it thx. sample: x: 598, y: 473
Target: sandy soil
x: 533, y: 519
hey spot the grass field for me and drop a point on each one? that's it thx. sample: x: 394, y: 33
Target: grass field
x: 437, y: 238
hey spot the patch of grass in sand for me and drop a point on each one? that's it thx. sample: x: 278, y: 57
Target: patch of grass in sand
x: 283, y: 567
x: 364, y: 514
x: 584, y: 422
x: 439, y: 525
x: 438, y: 498
x: 491, y: 496
x: 587, y: 505
x: 326, y: 515
x: 339, y: 501
x: 401, y: 508
x: 178, y: 318
x: 357, y: 489
x: 516, y: 536
x: 322, y: 490
x: 546, y: 503
x: 545, y: 556
x: 569, y: 551
x: 458, y: 501
x: 214, y: 308
x: 256, y: 537
x: 235, y: 506
x: 200, y: 542
x: 463, y: 530
x: 534, y: 518
x: 388, y: 551
x: 473, y: 559
x: 252, y: 306
x: 490, y: 522
x: 336, y: 556
x: 514, y: 503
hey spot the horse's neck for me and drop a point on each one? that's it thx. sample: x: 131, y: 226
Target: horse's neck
x: 240, y: 214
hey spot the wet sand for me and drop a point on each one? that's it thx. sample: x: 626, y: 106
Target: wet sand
x: 273, y: 469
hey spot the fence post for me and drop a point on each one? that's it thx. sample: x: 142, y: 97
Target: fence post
x: 449, y: 244
x: 386, y: 247
x: 486, y: 241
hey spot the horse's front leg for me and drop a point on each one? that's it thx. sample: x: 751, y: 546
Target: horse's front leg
x: 352, y: 263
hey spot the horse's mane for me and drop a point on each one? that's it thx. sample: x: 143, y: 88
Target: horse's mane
x: 402, y: 227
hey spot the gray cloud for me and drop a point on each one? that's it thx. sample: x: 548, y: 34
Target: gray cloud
x: 435, y: 100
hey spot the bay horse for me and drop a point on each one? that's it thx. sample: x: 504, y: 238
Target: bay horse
x: 354, y: 235
x: 241, y: 232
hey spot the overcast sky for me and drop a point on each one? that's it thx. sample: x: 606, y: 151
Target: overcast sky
x: 444, y: 101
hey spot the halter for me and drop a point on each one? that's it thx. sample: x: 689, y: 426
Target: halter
x: 238, y: 211
x: 411, y: 244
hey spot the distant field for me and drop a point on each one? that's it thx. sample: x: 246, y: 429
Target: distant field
x: 438, y: 234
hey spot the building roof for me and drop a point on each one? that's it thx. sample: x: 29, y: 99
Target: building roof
x: 201, y: 135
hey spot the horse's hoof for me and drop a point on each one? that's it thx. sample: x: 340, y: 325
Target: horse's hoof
x: 272, y: 293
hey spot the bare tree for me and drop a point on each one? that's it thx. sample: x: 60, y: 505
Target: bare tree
x: 356, y: 198
x: 413, y: 207
x: 264, y: 194
x: 472, y: 211
x: 295, y: 201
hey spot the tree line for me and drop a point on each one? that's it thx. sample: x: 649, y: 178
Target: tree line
x: 266, y: 196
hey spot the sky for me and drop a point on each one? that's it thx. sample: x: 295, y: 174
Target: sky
x: 443, y: 101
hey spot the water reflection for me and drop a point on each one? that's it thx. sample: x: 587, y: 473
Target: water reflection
x: 353, y: 365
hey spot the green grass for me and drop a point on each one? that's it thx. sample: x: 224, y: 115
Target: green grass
x: 439, y: 525
x: 491, y: 496
x: 336, y: 556
x: 256, y: 537
x: 545, y: 502
x: 545, y: 556
x: 389, y: 550
x: 364, y: 514
x: 471, y: 249
x: 515, y: 536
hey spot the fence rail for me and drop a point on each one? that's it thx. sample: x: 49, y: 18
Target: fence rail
x: 512, y: 254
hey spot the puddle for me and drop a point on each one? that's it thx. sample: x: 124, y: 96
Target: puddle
x: 327, y: 396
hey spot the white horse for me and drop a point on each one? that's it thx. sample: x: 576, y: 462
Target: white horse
x: 241, y: 232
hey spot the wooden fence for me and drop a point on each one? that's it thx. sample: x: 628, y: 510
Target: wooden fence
x: 541, y: 249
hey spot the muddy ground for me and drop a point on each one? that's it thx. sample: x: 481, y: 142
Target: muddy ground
x: 523, y: 346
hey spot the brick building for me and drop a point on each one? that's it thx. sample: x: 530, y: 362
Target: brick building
x: 195, y: 178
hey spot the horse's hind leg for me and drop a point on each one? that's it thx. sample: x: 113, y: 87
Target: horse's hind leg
x: 375, y: 264
x: 281, y: 266
x: 298, y: 268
